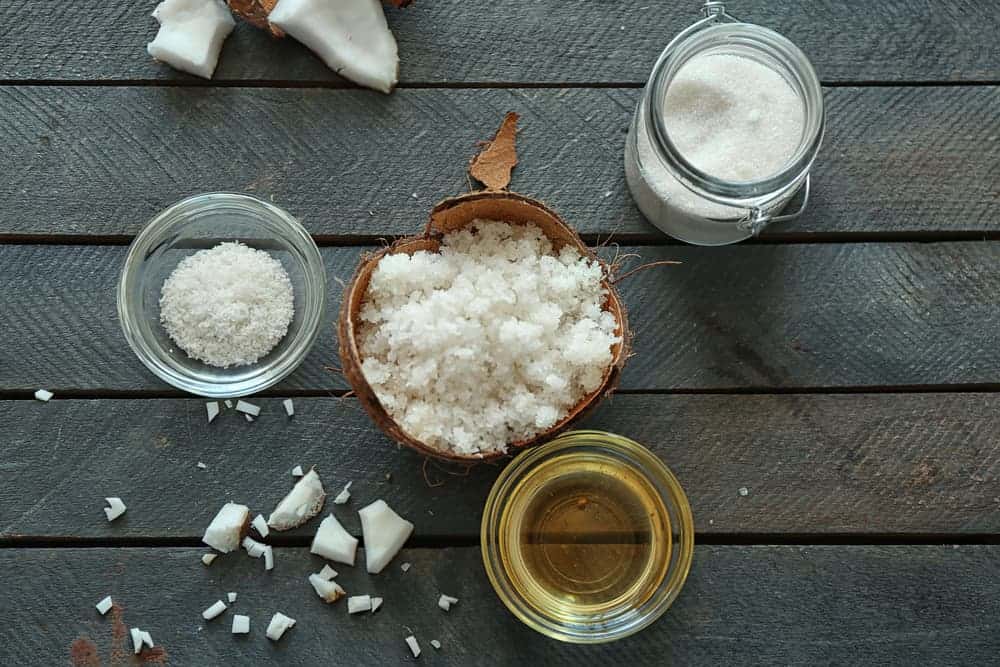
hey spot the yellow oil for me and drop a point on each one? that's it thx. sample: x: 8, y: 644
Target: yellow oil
x: 584, y: 534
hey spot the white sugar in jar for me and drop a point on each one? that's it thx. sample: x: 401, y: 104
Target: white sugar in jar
x: 725, y: 132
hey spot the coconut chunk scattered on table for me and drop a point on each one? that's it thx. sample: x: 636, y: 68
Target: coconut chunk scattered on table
x: 405, y: 567
x: 147, y: 639
x: 411, y: 641
x: 191, y: 34
x: 259, y: 524
x: 269, y: 558
x: 278, y: 625
x: 333, y: 542
x: 384, y: 533
x: 376, y: 603
x: 297, y: 471
x: 329, y: 591
x: 302, y: 503
x: 230, y: 523
x: 212, y: 408
x: 214, y: 610
x: 359, y: 603
x: 253, y: 548
x: 104, y: 605
x: 116, y: 508
x: 241, y: 624
x: 208, y: 558
x: 201, y: 465
x: 445, y: 601
x: 436, y: 644
x: 327, y: 573
x: 231, y: 597
x: 344, y: 495
x: 43, y: 395
x: 136, y: 640
x: 248, y: 408
x: 289, y: 407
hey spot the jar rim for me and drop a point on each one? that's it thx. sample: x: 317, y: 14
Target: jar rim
x: 689, y: 44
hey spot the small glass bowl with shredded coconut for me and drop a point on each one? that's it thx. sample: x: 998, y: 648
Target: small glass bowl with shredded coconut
x: 222, y: 295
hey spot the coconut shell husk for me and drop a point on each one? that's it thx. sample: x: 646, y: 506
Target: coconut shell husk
x: 255, y: 12
x: 498, y: 158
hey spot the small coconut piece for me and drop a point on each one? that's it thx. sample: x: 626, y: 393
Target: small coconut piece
x: 136, y: 639
x: 191, y: 34
x: 228, y: 526
x: 208, y: 558
x: 279, y: 623
x: 445, y: 601
x: 116, y: 509
x: 350, y: 36
x: 344, y: 495
x: 405, y: 567
x: 147, y: 638
x: 43, y: 395
x: 253, y: 548
x: 231, y: 597
x: 269, y: 558
x: 104, y: 605
x: 248, y: 408
x: 493, y: 164
x: 359, y: 603
x: 260, y: 525
x: 214, y: 610
x: 297, y: 471
x: 376, y: 603
x: 327, y: 573
x: 201, y: 465
x: 436, y: 644
x: 249, y: 418
x: 333, y: 542
x: 411, y: 641
x: 228, y: 404
x: 241, y: 624
x: 302, y: 503
x: 330, y: 591
x: 289, y: 407
x: 212, y: 407
x: 384, y: 533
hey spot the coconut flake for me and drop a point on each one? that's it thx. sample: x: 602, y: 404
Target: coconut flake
x: 116, y: 510
x: 44, y: 395
x: 248, y: 408
x: 241, y: 624
x: 405, y: 567
x: 330, y: 591
x: 289, y: 407
x: 232, y: 597
x: 376, y: 603
x: 436, y: 644
x: 223, y: 534
x: 249, y: 418
x: 191, y: 34
x: 445, y: 601
x: 228, y: 404
x: 104, y: 605
x: 268, y: 558
x: 359, y: 603
x: 208, y: 558
x: 344, y: 495
x: 384, y: 533
x: 279, y: 623
x: 253, y: 548
x: 333, y: 542
x: 147, y: 638
x: 201, y: 465
x: 136, y: 639
x: 214, y: 610
x: 350, y: 36
x: 302, y: 503
x: 260, y: 525
x: 327, y: 573
x: 411, y: 641
x: 212, y: 407
x: 297, y: 471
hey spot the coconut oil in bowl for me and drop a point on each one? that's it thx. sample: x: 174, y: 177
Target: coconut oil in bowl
x: 588, y: 538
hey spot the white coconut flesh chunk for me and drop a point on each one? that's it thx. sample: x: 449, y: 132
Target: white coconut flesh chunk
x: 405, y: 567
x: 228, y: 404
x: 116, y: 509
x: 268, y: 558
x: 232, y: 597
x: 44, y: 395
x: 249, y: 418
x: 136, y: 639
x: 350, y: 36
x: 214, y: 610
x: 376, y: 603
x: 297, y: 471
x: 191, y: 34
x: 329, y: 591
x: 436, y: 644
x: 241, y: 624
x: 202, y: 465
x: 344, y: 495
x: 289, y: 407
x: 333, y: 542
x: 212, y: 407
x: 260, y: 525
x: 248, y: 408
x: 223, y: 533
x: 411, y: 641
x: 147, y: 639
x: 327, y: 573
x: 208, y: 558
x: 359, y: 603
x: 302, y: 503
x: 445, y: 601
x: 104, y: 605
x: 279, y: 623
x: 254, y: 548
x: 384, y: 532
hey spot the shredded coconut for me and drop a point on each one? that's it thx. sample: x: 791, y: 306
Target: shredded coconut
x: 490, y: 341
x: 227, y: 306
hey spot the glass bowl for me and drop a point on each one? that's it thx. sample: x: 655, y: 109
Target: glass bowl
x: 200, y: 222
x: 611, y: 580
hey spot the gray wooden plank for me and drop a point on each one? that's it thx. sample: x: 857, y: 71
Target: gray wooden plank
x: 753, y: 316
x: 742, y: 605
x: 863, y: 465
x: 100, y: 161
x: 521, y: 41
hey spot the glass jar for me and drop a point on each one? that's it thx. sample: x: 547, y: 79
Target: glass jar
x: 688, y: 203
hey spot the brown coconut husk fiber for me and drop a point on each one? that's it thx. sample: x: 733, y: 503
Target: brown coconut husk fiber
x: 448, y: 216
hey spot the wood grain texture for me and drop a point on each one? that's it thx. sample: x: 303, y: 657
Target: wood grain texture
x: 102, y: 161
x: 447, y: 41
x: 742, y: 317
x: 862, y: 465
x: 741, y: 605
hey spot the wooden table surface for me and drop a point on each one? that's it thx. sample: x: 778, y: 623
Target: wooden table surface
x: 843, y: 368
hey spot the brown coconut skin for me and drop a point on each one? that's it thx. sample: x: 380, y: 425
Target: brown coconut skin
x: 448, y: 216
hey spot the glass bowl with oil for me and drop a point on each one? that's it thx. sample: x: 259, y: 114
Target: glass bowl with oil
x: 588, y: 538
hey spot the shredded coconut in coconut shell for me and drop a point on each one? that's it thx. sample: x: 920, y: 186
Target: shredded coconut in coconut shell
x: 227, y: 306
x: 491, y: 341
